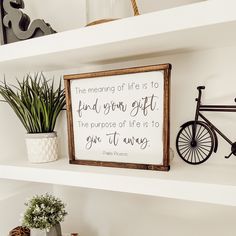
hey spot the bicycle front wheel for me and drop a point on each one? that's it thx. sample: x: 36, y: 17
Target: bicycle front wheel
x: 195, y: 150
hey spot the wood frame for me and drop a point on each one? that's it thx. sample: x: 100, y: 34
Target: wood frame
x: 166, y: 68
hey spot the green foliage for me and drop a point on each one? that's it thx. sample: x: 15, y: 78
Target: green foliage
x: 44, y: 212
x: 35, y: 101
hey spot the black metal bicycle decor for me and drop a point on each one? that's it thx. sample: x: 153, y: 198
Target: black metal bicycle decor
x: 197, y: 139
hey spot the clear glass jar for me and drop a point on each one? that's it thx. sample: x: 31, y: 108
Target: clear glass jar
x: 100, y: 11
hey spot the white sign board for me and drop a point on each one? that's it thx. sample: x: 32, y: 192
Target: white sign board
x: 118, y: 118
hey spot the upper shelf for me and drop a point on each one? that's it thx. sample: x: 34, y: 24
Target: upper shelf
x: 204, y: 183
x: 203, y: 25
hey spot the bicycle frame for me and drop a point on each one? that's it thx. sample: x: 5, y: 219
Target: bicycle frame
x: 197, y: 139
x: 211, y: 108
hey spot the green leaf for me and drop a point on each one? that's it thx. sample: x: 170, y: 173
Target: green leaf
x: 35, y: 102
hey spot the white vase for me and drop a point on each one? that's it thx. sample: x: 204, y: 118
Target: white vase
x: 37, y: 232
x: 42, y: 147
x: 107, y: 10
x: 54, y: 231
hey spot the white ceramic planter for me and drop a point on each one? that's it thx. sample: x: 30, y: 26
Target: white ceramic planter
x: 42, y: 147
x: 54, y: 231
x: 37, y: 232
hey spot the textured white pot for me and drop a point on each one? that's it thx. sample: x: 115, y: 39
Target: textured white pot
x: 42, y: 147
x: 37, y: 232
x: 54, y: 231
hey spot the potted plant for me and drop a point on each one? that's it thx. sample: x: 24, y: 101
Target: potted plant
x: 45, y: 213
x: 37, y: 103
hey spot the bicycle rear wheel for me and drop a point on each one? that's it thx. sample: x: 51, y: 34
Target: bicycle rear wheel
x: 195, y: 150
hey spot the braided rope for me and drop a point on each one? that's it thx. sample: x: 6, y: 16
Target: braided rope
x: 135, y: 7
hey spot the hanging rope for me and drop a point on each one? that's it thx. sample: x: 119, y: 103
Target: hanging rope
x: 135, y: 7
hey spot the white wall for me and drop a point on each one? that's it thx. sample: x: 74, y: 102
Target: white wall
x: 104, y: 213
x: 66, y: 15
x: 146, y: 6
x: 13, y: 195
x: 11, y: 130
x: 213, y: 68
x: 101, y: 213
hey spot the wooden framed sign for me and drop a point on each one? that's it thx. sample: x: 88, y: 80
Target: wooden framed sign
x: 120, y: 118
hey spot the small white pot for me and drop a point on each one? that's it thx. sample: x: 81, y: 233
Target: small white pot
x: 37, y: 232
x: 42, y: 147
x: 54, y: 231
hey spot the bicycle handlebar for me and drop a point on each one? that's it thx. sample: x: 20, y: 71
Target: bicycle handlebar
x: 203, y: 87
x: 200, y: 87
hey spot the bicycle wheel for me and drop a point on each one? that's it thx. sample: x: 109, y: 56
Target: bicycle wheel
x: 198, y: 150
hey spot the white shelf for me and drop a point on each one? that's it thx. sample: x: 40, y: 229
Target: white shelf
x: 199, y: 26
x: 204, y: 183
x: 203, y: 25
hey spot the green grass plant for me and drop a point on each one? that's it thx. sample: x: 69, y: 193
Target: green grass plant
x: 36, y: 101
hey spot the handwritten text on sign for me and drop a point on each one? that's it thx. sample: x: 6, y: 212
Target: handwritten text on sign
x: 119, y: 118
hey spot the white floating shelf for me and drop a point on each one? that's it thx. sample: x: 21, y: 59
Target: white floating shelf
x: 204, y: 183
x: 198, y: 26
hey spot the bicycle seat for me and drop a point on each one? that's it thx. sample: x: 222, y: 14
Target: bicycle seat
x: 200, y: 87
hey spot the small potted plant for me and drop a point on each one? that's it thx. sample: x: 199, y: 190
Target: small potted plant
x: 37, y: 103
x: 45, y: 213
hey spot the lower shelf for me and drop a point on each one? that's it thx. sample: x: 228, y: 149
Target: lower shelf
x: 204, y: 183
